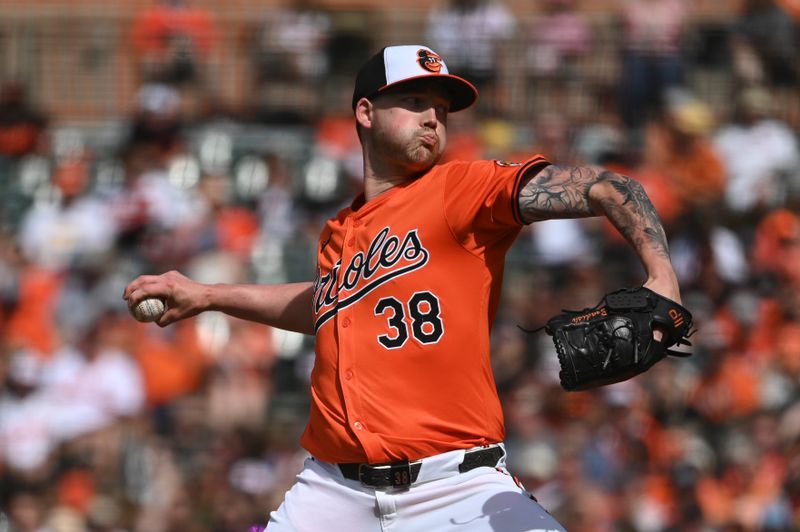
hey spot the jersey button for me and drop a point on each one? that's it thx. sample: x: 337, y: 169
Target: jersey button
x: 358, y: 425
x: 351, y: 242
x: 348, y: 374
x: 346, y: 322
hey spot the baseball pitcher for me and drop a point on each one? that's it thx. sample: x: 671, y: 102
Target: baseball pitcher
x: 405, y: 431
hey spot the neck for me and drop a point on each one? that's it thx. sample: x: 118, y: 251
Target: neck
x: 379, y: 178
x: 374, y: 187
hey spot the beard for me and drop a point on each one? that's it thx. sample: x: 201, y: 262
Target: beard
x: 415, y: 153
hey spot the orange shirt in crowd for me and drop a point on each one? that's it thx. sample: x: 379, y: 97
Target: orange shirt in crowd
x: 172, y: 365
x: 156, y: 27
x: 32, y: 322
x: 689, y: 163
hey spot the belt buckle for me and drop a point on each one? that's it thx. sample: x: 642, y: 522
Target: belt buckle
x: 396, y: 475
x: 400, y: 475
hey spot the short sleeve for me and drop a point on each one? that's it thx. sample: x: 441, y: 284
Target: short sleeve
x: 481, y: 196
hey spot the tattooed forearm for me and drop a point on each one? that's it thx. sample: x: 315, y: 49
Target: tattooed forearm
x: 634, y: 217
x: 575, y: 192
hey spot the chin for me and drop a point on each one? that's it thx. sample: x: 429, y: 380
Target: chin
x: 420, y: 167
x: 424, y: 160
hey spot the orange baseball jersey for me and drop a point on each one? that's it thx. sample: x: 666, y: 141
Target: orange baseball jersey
x: 406, y: 291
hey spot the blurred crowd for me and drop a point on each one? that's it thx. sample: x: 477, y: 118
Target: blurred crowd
x: 110, y: 425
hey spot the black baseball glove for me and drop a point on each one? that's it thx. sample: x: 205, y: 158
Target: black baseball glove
x: 613, y: 341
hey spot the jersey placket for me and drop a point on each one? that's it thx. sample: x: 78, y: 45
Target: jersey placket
x: 346, y: 321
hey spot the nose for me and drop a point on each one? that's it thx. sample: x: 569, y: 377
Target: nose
x: 429, y: 117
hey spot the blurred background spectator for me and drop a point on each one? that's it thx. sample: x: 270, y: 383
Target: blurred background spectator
x: 765, y: 44
x: 291, y: 59
x: 557, y: 44
x: 216, y: 140
x: 652, y: 59
x: 472, y: 35
x: 761, y: 154
x: 21, y: 125
x: 172, y: 40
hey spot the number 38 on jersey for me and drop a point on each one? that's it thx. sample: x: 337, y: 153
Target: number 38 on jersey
x: 418, y: 318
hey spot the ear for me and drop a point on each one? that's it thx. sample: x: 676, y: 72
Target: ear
x: 363, y: 113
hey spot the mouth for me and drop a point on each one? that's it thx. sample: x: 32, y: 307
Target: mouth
x: 429, y: 140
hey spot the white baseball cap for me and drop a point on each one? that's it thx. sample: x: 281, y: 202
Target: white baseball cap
x: 395, y: 65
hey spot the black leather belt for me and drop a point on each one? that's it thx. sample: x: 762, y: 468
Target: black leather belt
x: 403, y: 474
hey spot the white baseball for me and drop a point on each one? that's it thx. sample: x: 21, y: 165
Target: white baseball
x: 149, y: 309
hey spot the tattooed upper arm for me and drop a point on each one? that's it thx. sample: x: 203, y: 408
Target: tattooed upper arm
x: 558, y: 192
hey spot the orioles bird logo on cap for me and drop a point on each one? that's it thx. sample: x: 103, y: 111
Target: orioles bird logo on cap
x: 429, y: 61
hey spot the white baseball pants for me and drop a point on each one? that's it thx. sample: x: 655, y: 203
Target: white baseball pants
x: 483, y: 499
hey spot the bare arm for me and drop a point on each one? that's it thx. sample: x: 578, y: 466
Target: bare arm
x: 285, y: 306
x: 578, y: 192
